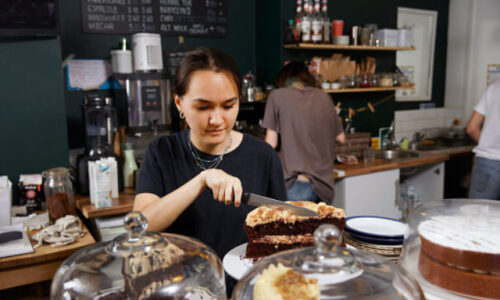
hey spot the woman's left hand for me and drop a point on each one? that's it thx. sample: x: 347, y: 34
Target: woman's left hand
x: 225, y: 187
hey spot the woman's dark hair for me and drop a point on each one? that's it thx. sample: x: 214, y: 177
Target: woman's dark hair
x: 297, y: 70
x: 205, y: 59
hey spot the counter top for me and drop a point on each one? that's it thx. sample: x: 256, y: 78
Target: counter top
x: 123, y: 204
x: 426, y: 157
x: 40, y: 265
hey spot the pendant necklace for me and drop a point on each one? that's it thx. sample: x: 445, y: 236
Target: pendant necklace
x: 206, y: 164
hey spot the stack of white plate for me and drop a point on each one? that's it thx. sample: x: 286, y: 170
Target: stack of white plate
x: 379, y: 235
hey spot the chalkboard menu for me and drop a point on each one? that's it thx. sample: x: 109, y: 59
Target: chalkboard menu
x: 205, y: 18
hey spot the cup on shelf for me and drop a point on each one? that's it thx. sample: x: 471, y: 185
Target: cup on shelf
x: 338, y: 27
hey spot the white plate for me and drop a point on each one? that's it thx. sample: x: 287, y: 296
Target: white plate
x: 236, y: 265
x: 376, y: 226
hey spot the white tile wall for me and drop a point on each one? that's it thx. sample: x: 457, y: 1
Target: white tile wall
x: 407, y: 122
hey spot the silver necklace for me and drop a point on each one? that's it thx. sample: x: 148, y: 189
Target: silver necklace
x: 206, y: 164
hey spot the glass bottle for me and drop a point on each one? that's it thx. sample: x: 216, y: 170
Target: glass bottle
x: 298, y: 17
x: 305, y: 22
x: 317, y: 24
x: 129, y: 166
x: 327, y: 25
x: 58, y: 193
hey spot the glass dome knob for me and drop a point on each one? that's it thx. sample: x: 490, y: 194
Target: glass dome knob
x: 136, y: 224
x: 327, y: 238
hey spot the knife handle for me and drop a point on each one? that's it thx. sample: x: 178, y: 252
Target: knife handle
x: 245, y: 197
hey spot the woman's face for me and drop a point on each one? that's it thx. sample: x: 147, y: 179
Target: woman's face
x: 210, y: 106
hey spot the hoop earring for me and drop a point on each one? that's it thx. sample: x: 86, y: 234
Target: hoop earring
x: 181, y: 115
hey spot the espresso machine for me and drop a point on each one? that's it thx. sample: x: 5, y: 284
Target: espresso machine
x: 147, y: 87
x: 100, y: 120
x: 148, y: 99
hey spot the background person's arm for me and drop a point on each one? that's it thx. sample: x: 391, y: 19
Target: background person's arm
x: 272, y: 138
x: 340, y: 138
x: 475, y: 125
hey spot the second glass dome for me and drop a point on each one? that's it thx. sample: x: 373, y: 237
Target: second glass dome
x: 339, y: 273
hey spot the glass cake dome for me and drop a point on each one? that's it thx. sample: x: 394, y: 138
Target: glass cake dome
x: 337, y: 273
x: 452, y: 248
x: 141, y: 265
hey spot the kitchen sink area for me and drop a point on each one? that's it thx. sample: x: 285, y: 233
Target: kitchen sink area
x: 396, y: 154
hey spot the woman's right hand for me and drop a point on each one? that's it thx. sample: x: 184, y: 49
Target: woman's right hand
x: 225, y: 187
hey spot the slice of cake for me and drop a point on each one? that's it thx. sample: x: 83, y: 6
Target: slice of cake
x: 271, y: 230
x: 278, y: 282
x: 461, y: 254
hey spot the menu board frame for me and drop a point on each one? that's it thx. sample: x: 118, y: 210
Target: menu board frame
x: 195, y: 18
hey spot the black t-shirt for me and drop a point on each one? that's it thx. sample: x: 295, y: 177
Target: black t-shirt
x: 168, y: 164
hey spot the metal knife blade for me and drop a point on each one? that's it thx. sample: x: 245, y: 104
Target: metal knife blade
x: 258, y: 200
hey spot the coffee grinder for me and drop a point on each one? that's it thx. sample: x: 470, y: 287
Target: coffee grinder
x: 100, y: 120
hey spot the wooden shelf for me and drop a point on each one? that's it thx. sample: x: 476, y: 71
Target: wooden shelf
x: 344, y: 47
x: 373, y: 89
x: 123, y: 204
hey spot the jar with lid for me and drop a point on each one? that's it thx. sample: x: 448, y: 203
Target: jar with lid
x: 58, y: 193
x: 365, y: 81
x: 385, y: 80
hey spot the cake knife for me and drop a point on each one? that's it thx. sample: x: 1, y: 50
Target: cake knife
x: 258, y: 200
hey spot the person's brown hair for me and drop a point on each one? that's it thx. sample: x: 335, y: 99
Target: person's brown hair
x: 205, y: 59
x: 297, y: 70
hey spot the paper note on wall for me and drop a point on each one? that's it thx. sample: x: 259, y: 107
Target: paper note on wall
x: 88, y: 74
x: 493, y: 74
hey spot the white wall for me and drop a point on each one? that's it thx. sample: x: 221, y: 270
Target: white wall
x: 473, y: 43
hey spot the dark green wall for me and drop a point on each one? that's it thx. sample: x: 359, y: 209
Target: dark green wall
x: 240, y: 43
x: 32, y: 115
x: 40, y: 120
x: 271, y: 55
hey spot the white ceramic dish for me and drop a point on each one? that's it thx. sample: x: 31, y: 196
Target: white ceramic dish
x: 377, y: 227
x: 236, y: 265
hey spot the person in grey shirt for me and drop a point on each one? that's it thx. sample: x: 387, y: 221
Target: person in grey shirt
x: 302, y: 124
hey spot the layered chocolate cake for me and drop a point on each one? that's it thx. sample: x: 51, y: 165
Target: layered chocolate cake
x: 278, y: 282
x: 145, y: 273
x: 461, y: 254
x: 271, y: 230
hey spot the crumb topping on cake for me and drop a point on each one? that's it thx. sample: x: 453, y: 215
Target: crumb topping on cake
x: 141, y: 263
x: 286, y: 239
x: 278, y: 282
x: 463, y: 233
x: 266, y: 214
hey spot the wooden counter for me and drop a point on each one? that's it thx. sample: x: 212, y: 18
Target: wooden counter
x: 40, y: 265
x: 123, y: 204
x: 427, y: 157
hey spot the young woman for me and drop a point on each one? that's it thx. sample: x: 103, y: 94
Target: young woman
x: 188, y: 180
x: 305, y: 120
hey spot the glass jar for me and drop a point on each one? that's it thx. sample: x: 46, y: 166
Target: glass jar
x: 141, y: 265
x: 58, y: 193
x: 385, y: 80
x: 340, y: 273
x: 352, y: 81
x: 374, y: 80
x: 365, y: 81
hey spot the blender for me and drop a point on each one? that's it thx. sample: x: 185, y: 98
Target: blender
x: 100, y: 120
